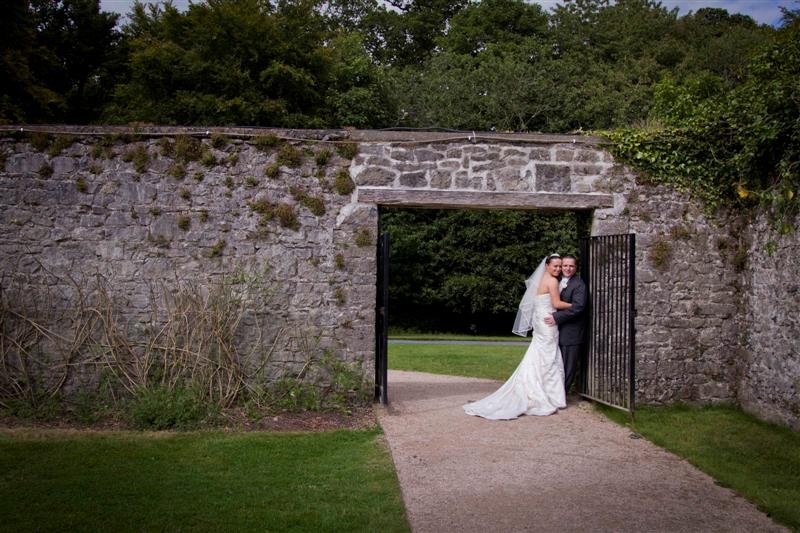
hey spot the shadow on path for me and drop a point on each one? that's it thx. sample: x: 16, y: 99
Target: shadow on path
x: 572, y: 471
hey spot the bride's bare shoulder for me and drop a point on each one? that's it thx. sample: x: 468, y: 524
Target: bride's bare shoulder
x: 546, y: 283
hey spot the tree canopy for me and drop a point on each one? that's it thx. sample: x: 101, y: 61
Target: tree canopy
x: 468, y: 64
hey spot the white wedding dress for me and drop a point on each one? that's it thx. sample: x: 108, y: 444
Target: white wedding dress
x: 537, y: 385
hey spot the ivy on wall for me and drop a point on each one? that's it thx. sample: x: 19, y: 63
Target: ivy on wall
x: 737, y: 148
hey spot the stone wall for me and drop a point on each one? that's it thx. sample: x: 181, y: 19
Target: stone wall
x: 770, y: 384
x: 703, y: 331
x: 688, y: 299
x: 88, y: 211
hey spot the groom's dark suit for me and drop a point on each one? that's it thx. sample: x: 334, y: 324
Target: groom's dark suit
x: 571, y: 327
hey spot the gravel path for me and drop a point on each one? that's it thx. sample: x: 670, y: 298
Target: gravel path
x: 573, y: 471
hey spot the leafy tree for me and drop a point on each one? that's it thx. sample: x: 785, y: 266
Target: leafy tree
x: 493, y: 22
x: 58, y: 60
x: 714, y: 42
x: 501, y: 88
x: 22, y: 94
x: 406, y: 33
x: 359, y: 93
x: 77, y: 60
x: 246, y: 62
x: 730, y: 146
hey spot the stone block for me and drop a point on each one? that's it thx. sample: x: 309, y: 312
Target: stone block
x: 588, y: 156
x: 449, y: 164
x: 475, y: 152
x: 465, y: 180
x: 63, y: 165
x: 552, y: 178
x: 587, y: 170
x: 510, y: 179
x: 25, y: 163
x: 541, y: 154
x: 486, y: 167
x: 720, y: 310
x: 441, y: 179
x: 428, y: 155
x: 565, y: 155
x: 378, y: 162
x: 402, y: 154
x: 512, y: 152
x: 376, y: 177
x: 413, y: 166
x: 372, y: 149
x: 413, y: 179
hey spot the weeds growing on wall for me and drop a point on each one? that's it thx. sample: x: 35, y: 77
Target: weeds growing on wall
x: 138, y: 156
x: 187, y: 148
x: 347, y: 150
x: 60, y: 143
x: 289, y: 156
x: 344, y: 183
x: 198, y: 350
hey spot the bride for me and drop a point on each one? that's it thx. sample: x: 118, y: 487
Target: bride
x: 537, y: 385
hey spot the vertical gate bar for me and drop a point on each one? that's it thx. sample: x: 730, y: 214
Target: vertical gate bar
x: 608, y: 324
x: 620, y: 362
x: 623, y: 288
x: 385, y: 336
x: 378, y: 317
x: 604, y: 317
x: 617, y: 322
x: 623, y: 321
x: 597, y: 332
x: 583, y: 357
x: 604, y: 360
x: 593, y: 342
x: 604, y: 325
x: 382, y: 319
x: 614, y: 318
x: 626, y: 328
x: 612, y: 293
x: 621, y: 372
x: 632, y: 322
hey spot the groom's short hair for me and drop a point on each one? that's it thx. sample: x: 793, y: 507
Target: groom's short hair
x: 570, y: 256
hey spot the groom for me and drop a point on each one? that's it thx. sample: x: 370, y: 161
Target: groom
x: 571, y: 322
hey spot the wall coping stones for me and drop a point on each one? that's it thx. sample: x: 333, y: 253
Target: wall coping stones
x: 323, y: 135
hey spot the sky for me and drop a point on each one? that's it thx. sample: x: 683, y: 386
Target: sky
x: 763, y: 11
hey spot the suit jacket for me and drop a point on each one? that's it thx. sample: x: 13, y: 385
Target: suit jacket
x: 572, y: 322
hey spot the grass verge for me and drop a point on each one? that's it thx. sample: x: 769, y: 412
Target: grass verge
x: 760, y: 461
x: 479, y: 361
x: 210, y: 481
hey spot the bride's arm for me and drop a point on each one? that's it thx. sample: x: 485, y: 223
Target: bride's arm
x: 552, y: 288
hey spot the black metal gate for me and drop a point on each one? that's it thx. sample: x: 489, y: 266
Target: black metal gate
x: 382, y: 321
x: 608, y: 365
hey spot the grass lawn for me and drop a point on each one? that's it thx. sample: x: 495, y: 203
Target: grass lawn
x: 481, y: 361
x: 758, y: 460
x: 203, y: 481
x: 453, y: 337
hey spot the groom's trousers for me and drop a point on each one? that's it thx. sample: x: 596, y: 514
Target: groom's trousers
x: 570, y: 353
